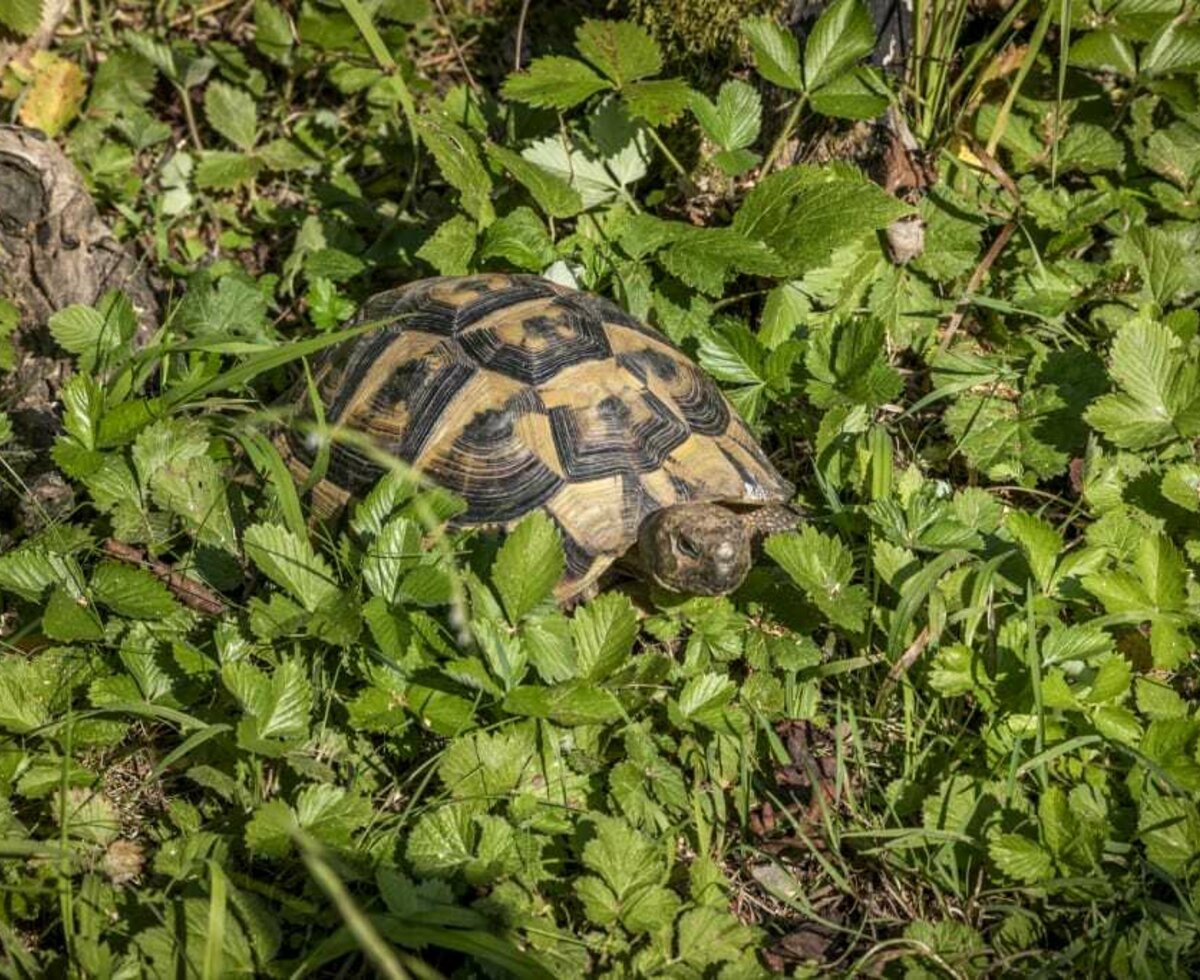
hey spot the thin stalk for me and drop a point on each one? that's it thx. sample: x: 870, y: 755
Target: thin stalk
x: 189, y: 116
x: 379, y: 51
x: 785, y: 134
x: 985, y: 48
x: 374, y: 947
x: 669, y: 155
x: 916, y: 63
x: 1064, y: 49
x: 1035, y: 45
x: 66, y: 901
x: 948, y: 35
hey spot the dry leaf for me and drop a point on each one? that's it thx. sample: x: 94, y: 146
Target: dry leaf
x: 54, y: 95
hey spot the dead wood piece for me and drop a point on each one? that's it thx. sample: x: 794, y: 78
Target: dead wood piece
x: 55, y: 250
x: 188, y: 591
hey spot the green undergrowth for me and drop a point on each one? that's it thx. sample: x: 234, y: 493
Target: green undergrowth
x: 948, y: 728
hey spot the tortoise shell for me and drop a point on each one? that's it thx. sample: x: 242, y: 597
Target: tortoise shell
x: 516, y: 394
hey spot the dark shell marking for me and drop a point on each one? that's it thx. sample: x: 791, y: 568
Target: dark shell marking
x: 518, y: 394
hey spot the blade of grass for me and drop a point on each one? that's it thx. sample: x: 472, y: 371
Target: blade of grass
x: 366, y: 27
x: 1035, y: 46
x: 214, y: 941
x: 373, y: 946
x: 258, y: 364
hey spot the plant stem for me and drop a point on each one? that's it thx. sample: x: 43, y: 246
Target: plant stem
x: 190, y: 116
x: 379, y: 51
x: 786, y: 133
x: 670, y: 157
x: 1035, y: 45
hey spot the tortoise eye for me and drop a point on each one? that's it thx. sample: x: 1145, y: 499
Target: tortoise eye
x: 687, y: 547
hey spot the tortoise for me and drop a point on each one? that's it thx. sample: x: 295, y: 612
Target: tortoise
x: 518, y: 394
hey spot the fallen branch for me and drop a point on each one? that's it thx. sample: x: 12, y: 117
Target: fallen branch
x: 188, y: 591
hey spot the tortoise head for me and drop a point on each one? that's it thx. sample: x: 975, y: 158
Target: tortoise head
x: 695, y: 549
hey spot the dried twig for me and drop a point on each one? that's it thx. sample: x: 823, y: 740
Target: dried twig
x: 520, y: 34
x: 902, y: 666
x: 1000, y: 175
x: 458, y: 51
x: 191, y: 593
x: 981, y: 270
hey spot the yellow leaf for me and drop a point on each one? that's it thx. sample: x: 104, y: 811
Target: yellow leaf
x: 961, y: 150
x: 54, y: 95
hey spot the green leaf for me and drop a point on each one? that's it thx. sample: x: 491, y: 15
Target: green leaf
x: 704, y: 698
x: 230, y: 111
x: 705, y: 258
x: 481, y: 766
x: 1164, y: 259
x: 1103, y: 50
x: 285, y: 155
x: 279, y: 705
x: 521, y: 239
x: 786, y: 308
x: 451, y: 248
x: 1021, y: 858
x: 848, y: 364
x: 734, y: 163
x: 93, y: 333
x: 623, y: 51
x: 331, y: 813
x: 553, y: 194
x: 843, y: 34
x: 328, y: 813
x: 26, y: 572
x: 733, y: 356
x: 226, y: 170
x: 736, y: 118
x: 1006, y: 438
x: 570, y: 704
x: 776, y: 53
x: 659, y: 102
x: 597, y: 181
x: 554, y: 82
x: 625, y: 859
x: 856, y: 94
x: 230, y: 307
x: 710, y: 935
x: 442, y: 841
x: 604, y: 632
x: 273, y: 32
x: 806, y: 213
x: 171, y: 458
x: 1039, y: 543
x: 529, y: 565
x: 132, y: 592
x: 69, y: 619
x: 457, y: 158
x: 1160, y: 397
x: 1176, y: 48
x: 290, y: 562
x: 1170, y: 830
x: 269, y: 831
x: 547, y: 638
x: 395, y: 550
x: 822, y: 566
x: 21, y: 16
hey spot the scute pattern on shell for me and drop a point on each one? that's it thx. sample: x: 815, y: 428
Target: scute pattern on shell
x: 516, y: 394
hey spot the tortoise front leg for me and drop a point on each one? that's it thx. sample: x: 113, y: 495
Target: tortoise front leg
x: 772, y: 519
